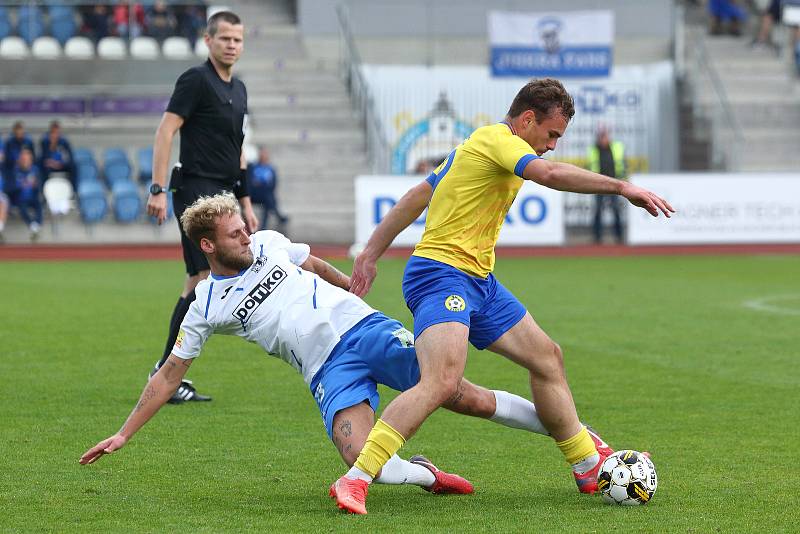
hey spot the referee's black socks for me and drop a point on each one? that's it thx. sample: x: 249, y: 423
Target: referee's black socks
x: 181, y: 308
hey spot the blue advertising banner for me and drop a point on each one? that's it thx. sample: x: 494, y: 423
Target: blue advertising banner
x: 568, y: 44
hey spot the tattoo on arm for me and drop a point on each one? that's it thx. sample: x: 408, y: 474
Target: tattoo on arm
x: 170, y: 367
x: 147, y: 396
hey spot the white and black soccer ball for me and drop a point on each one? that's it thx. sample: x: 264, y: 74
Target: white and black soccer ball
x: 628, y: 478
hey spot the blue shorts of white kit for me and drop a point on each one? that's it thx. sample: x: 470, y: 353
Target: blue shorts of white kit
x: 439, y: 293
x: 375, y: 351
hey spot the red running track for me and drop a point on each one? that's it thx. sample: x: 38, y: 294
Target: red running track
x: 173, y: 252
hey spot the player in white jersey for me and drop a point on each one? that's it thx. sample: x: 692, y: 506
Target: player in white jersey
x: 295, y: 306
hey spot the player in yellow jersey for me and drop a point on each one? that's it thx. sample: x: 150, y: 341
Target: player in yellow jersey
x: 449, y: 287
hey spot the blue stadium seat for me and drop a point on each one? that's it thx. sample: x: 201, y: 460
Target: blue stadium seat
x: 116, y: 172
x: 114, y: 154
x: 30, y: 23
x: 84, y: 155
x: 5, y: 23
x: 144, y: 162
x: 126, y: 201
x: 87, y: 172
x: 63, y: 28
x: 92, y: 201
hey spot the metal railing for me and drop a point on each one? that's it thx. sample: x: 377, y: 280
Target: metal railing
x: 698, y: 71
x: 360, y: 96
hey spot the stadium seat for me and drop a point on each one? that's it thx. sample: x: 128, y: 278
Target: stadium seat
x: 145, y: 48
x: 62, y: 26
x: 176, y: 48
x: 13, y: 47
x: 30, y: 23
x: 57, y: 191
x: 5, y: 23
x: 144, y: 162
x: 79, y: 48
x: 84, y: 155
x: 116, y: 172
x: 126, y: 201
x: 200, y: 48
x: 111, y: 48
x: 114, y: 154
x: 87, y: 172
x: 46, y: 48
x: 92, y: 202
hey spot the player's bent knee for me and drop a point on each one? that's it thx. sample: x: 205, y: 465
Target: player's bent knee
x: 549, y: 364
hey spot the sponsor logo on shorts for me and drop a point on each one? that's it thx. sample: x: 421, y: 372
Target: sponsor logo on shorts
x: 259, y: 294
x: 405, y: 337
x: 179, y: 339
x: 454, y: 303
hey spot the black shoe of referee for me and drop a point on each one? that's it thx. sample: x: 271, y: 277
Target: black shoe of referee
x: 186, y: 392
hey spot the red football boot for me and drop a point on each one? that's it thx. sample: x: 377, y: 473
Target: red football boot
x: 350, y: 495
x: 445, y: 483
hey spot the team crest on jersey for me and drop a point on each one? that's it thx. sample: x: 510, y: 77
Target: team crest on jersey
x: 259, y: 264
x: 179, y: 339
x: 244, y: 310
x: 454, y: 303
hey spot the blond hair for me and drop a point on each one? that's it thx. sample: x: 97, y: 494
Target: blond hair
x: 200, y: 219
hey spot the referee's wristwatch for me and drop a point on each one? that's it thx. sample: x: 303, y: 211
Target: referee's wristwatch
x: 156, y: 189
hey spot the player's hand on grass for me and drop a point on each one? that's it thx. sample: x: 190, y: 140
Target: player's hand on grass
x: 364, y: 272
x: 107, y: 446
x: 157, y: 207
x: 643, y: 198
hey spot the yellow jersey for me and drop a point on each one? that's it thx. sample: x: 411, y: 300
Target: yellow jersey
x: 473, y: 190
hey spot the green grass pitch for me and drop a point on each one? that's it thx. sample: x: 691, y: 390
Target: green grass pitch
x: 693, y: 358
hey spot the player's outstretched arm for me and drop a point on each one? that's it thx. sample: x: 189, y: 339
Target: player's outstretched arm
x: 158, y: 390
x: 326, y: 271
x: 566, y: 177
x: 406, y: 211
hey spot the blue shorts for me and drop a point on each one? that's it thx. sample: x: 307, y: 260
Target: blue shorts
x: 439, y: 293
x: 377, y: 350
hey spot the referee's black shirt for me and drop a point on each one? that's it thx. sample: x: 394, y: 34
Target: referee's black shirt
x: 215, y: 117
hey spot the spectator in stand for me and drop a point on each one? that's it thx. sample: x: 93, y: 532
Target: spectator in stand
x: 607, y: 157
x: 160, y: 21
x: 726, y: 13
x: 262, y: 178
x: 24, y: 191
x: 16, y: 142
x: 774, y: 14
x: 96, y: 21
x: 191, y: 21
x: 56, y: 154
x: 126, y: 25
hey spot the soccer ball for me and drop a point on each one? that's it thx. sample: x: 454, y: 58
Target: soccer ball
x: 627, y: 478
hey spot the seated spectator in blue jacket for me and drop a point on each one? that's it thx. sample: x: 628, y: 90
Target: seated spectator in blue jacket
x: 262, y: 178
x: 3, y: 208
x: 56, y: 154
x: 16, y: 142
x: 24, y: 190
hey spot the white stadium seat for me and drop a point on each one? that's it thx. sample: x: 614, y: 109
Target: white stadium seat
x: 58, y: 193
x: 79, y: 47
x: 145, y: 48
x: 111, y: 48
x: 46, y: 48
x: 213, y: 10
x: 200, y: 48
x: 176, y: 48
x: 13, y: 48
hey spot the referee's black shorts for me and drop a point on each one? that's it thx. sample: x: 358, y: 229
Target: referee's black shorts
x: 190, y: 189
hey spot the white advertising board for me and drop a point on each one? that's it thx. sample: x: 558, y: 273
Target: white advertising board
x: 535, y: 218
x: 720, y: 209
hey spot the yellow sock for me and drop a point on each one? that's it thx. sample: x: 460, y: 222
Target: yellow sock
x: 383, y: 441
x: 578, y: 447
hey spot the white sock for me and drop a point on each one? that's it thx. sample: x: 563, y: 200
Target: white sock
x: 515, y: 412
x: 587, y: 464
x: 2, y: 226
x: 356, y: 473
x: 399, y: 471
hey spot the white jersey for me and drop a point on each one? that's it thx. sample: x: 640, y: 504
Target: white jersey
x: 290, y: 312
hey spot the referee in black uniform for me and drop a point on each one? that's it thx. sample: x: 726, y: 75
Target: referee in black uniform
x: 209, y: 107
